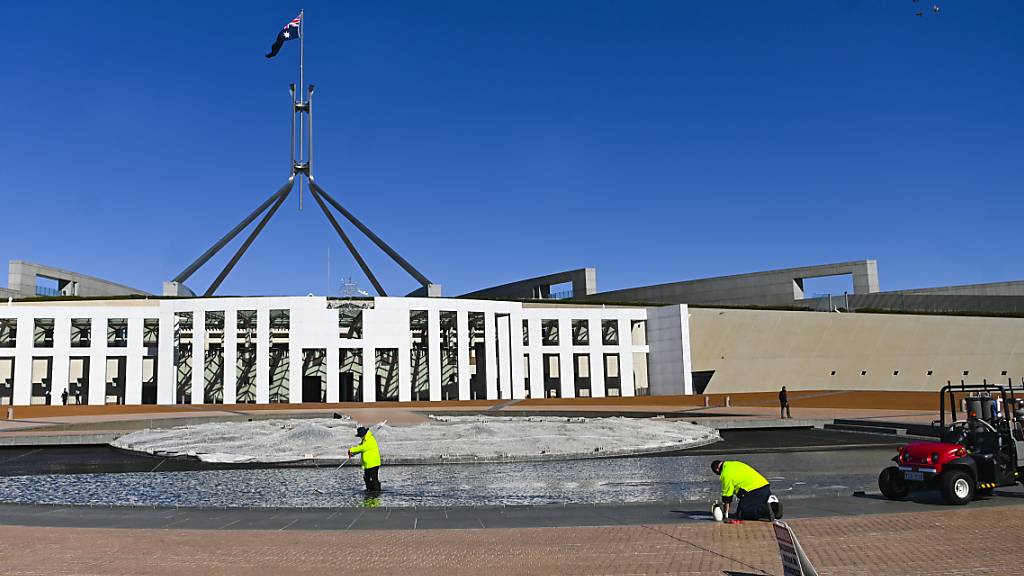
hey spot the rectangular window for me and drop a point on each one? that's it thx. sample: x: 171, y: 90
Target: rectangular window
x: 581, y: 369
x: 549, y: 332
x: 639, y: 330
x: 213, y: 376
x: 419, y: 354
x: 42, y: 372
x: 314, y: 375
x: 387, y: 374
x: 6, y: 381
x: 280, y: 325
x: 78, y: 380
x: 526, y: 374
x: 43, y: 335
x: 280, y: 360
x: 449, y: 356
x: 350, y: 375
x: 151, y: 332
x: 149, y: 380
x: 245, y: 371
x: 580, y: 333
x: 350, y: 322
x: 477, y: 357
x: 552, y: 376
x: 214, y: 324
x: 117, y: 332
x: 526, y: 332
x: 81, y: 332
x: 245, y: 327
x: 183, y: 357
x: 612, y: 378
x: 8, y: 332
x: 115, y: 380
x: 279, y: 373
x: 610, y: 332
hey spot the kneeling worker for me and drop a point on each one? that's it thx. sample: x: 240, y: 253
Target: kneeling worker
x: 370, y: 456
x: 756, y: 498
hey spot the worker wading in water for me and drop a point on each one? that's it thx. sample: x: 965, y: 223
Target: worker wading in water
x: 370, y: 455
x: 756, y: 500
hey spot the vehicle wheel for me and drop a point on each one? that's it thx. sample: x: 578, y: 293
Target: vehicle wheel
x: 984, y: 493
x: 957, y: 487
x: 892, y: 484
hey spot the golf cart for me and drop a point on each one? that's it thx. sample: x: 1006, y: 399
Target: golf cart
x: 981, y: 452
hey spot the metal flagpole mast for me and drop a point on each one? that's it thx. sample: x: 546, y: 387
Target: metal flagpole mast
x: 302, y: 85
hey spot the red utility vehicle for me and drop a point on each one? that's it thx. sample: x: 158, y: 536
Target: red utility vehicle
x: 982, y: 452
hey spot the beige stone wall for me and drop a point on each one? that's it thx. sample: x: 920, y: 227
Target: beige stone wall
x: 762, y: 350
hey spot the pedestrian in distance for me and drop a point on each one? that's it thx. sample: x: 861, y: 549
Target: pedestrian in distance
x: 64, y: 397
x: 370, y: 455
x: 78, y: 396
x: 756, y: 501
x: 784, y: 404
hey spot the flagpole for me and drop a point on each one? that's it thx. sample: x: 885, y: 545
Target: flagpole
x: 302, y: 84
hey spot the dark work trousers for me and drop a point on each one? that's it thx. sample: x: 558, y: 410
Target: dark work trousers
x: 754, y: 505
x: 784, y: 410
x: 372, y: 482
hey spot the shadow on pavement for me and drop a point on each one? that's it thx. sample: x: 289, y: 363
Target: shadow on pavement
x: 694, y: 515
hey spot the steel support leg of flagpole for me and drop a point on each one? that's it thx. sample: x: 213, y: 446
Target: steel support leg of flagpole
x: 369, y: 234
x: 248, y: 241
x: 187, y: 272
x: 348, y: 243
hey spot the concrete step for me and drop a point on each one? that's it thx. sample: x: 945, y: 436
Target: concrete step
x: 867, y: 429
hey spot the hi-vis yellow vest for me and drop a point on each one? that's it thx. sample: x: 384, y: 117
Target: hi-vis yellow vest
x: 738, y: 476
x: 368, y: 448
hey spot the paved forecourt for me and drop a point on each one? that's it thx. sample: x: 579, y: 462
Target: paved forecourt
x: 940, y: 541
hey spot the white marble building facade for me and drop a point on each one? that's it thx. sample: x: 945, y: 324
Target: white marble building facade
x: 315, y: 349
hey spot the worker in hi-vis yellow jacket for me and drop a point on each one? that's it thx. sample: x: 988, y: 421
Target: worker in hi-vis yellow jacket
x: 756, y: 500
x: 370, y: 455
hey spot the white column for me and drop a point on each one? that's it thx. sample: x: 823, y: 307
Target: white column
x: 434, y: 353
x: 61, y: 359
x: 536, y: 360
x: 490, y: 359
x: 295, y: 370
x: 687, y: 367
x: 462, y: 327
x: 567, y: 367
x: 332, y: 366
x: 262, y: 356
x: 230, y: 356
x: 198, y: 356
x: 133, y: 363
x: 504, y: 356
x: 626, y: 358
x: 516, y: 355
x: 369, y: 374
x: 98, y: 363
x: 165, y: 359
x: 597, y: 385
x: 23, y: 361
x: 404, y: 368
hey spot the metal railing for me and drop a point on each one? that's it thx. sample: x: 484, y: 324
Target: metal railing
x: 47, y: 291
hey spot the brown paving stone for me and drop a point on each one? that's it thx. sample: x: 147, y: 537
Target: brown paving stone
x: 948, y: 542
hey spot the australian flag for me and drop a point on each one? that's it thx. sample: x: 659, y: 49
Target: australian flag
x: 290, y: 32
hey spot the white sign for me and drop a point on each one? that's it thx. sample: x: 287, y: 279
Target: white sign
x: 794, y: 560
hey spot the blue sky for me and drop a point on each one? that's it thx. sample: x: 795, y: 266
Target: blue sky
x: 489, y: 141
